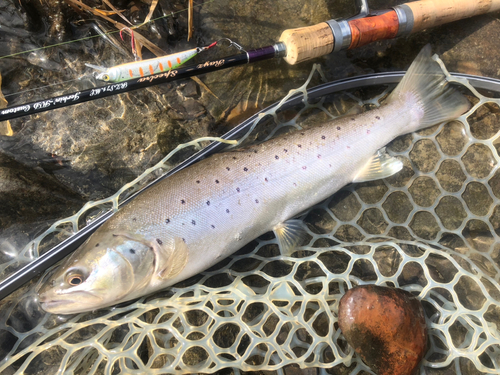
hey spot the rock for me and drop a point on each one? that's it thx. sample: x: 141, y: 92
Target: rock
x: 386, y: 327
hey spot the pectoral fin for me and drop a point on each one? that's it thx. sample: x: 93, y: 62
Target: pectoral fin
x: 174, y: 262
x: 381, y: 165
x: 289, y: 234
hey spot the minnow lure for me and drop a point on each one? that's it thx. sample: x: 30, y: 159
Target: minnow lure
x: 136, y: 69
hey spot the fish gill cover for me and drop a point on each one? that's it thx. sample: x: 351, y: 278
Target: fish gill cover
x: 433, y: 229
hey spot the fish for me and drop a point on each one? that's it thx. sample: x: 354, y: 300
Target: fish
x: 204, y: 213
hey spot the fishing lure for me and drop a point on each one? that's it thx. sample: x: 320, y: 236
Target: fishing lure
x: 143, y: 68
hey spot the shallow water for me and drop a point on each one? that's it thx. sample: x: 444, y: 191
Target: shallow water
x: 447, y: 195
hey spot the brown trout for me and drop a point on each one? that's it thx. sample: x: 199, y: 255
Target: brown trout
x: 200, y: 215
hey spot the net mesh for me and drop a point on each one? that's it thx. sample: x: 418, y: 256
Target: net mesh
x: 433, y: 230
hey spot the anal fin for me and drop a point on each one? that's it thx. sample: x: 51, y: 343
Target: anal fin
x: 289, y: 234
x: 380, y: 165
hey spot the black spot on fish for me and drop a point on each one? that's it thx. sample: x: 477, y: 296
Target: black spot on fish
x: 132, y: 251
x: 96, y: 244
x: 323, y: 137
x: 238, y: 190
x: 183, y: 201
x: 193, y: 222
x: 304, y: 167
x: 256, y: 201
x: 216, y: 181
x: 338, y: 127
x: 160, y: 242
x: 227, y: 210
x: 134, y: 219
x: 285, y: 150
x: 294, y: 184
x: 352, y: 119
x: 234, y: 157
x: 319, y: 156
x: 299, y: 146
x: 228, y: 168
x: 208, y: 203
x: 276, y: 157
x: 265, y: 179
x: 377, y: 117
x: 245, y: 169
x: 254, y: 151
x: 213, y: 226
x: 302, y: 133
x: 167, y: 221
x: 197, y: 181
x: 184, y: 240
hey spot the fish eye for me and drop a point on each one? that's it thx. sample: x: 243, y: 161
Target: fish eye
x: 75, y: 278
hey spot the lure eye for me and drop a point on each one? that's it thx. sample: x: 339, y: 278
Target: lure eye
x: 105, y: 77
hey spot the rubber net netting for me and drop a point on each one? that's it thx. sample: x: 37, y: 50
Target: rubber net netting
x: 433, y: 229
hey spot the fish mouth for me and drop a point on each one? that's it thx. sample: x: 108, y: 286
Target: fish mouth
x: 78, y: 302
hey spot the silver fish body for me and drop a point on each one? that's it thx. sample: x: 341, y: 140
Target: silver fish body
x: 200, y: 215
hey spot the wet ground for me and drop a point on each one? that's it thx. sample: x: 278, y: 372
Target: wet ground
x: 56, y: 161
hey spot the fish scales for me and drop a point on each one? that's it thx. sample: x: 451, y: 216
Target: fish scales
x: 203, y: 213
x: 246, y: 193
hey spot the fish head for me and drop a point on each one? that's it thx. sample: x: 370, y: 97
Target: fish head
x: 100, y: 273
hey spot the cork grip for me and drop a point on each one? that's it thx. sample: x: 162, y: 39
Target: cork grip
x: 430, y: 13
x: 370, y: 29
x: 306, y: 43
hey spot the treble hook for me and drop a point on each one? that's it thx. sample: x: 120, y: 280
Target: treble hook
x: 132, y: 40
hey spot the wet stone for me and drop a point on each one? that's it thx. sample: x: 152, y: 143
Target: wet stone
x: 400, y: 233
x: 402, y: 178
x: 477, y: 234
x: 479, y: 161
x: 424, y: 225
x: 425, y: 155
x: 344, y: 205
x: 477, y: 198
x: 386, y: 327
x: 320, y: 222
x: 400, y: 144
x: 397, y: 206
x: 494, y: 182
x: 348, y: 233
x: 371, y: 192
x: 485, y: 122
x: 451, y: 212
x: 424, y: 191
x: 450, y: 176
x: 452, y: 138
x: 495, y: 220
x: 372, y: 221
x: 190, y: 89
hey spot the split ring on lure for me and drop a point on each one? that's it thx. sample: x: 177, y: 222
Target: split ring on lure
x: 136, y: 69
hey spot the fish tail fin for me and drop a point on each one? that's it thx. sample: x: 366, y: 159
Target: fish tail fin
x: 425, y: 85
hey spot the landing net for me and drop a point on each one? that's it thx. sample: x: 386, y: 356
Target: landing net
x: 433, y: 230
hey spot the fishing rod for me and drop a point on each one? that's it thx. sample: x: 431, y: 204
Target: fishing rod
x: 295, y: 46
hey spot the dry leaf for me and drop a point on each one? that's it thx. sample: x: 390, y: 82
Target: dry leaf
x: 151, y: 10
x: 190, y: 20
x: 120, y: 26
x: 5, y: 128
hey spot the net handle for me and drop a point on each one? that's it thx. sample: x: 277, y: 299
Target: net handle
x: 306, y: 43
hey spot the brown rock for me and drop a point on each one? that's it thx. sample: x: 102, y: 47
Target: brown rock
x: 386, y: 327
